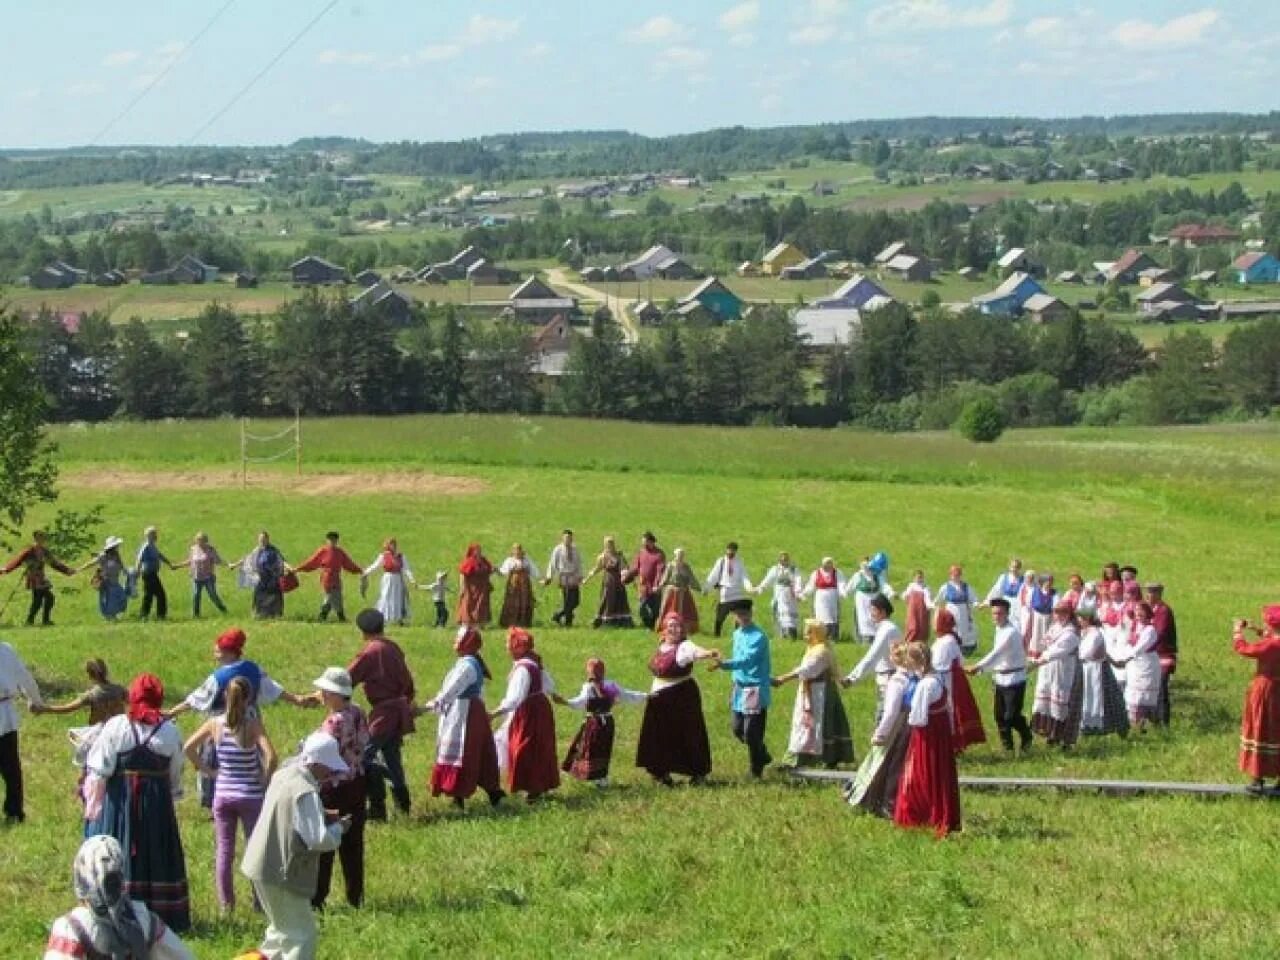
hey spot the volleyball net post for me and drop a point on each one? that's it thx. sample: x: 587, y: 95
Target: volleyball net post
x: 270, y: 445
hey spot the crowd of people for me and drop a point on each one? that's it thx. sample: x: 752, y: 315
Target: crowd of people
x: 1102, y: 655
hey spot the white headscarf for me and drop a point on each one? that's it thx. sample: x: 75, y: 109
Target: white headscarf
x: 99, y: 880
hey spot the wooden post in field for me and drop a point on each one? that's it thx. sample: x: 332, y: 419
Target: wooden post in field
x: 297, y: 437
x: 244, y: 453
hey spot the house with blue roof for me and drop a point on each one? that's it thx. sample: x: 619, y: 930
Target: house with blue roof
x: 854, y: 294
x: 1009, y: 299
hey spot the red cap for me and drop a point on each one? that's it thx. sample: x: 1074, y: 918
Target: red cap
x: 232, y: 641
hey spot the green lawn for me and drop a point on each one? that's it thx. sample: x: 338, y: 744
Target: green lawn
x: 770, y: 869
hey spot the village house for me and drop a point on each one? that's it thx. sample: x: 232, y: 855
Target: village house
x: 1069, y: 276
x: 826, y: 330
x: 782, y: 255
x: 456, y: 267
x: 111, y: 278
x: 1248, y: 309
x: 1257, y: 267
x: 968, y: 273
x: 535, y: 302
x: 895, y: 249
x: 1127, y: 269
x: 387, y: 300
x: 367, y: 278
x: 549, y: 347
x: 715, y: 299
x: 659, y: 261
x: 1200, y: 235
x: 647, y: 313
x: 487, y: 273
x: 814, y: 268
x: 316, y: 270
x: 910, y: 268
x: 856, y: 293
x: 246, y: 280
x: 1010, y: 298
x: 1044, y: 308
x: 1017, y: 260
x: 1153, y: 275
x: 57, y: 275
x: 1167, y: 301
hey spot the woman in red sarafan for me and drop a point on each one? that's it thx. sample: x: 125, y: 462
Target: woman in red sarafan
x: 929, y: 789
x: 477, y: 584
x: 527, y: 739
x: 948, y: 662
x: 1260, y: 725
x: 466, y: 757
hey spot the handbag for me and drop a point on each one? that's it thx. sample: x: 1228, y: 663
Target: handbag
x: 288, y: 582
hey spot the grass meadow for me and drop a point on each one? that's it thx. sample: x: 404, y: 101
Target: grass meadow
x: 769, y: 869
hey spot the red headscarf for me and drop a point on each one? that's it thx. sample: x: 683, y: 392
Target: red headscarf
x: 520, y: 644
x: 595, y: 670
x: 232, y: 641
x: 468, y: 642
x: 1271, y: 616
x: 146, y: 696
x: 944, y: 623
x: 473, y: 562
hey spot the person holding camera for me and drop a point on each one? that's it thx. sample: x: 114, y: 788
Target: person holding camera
x: 1260, y: 725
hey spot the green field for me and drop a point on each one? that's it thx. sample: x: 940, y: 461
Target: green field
x: 773, y: 869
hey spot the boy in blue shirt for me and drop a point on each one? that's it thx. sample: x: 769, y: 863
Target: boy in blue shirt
x: 752, y: 676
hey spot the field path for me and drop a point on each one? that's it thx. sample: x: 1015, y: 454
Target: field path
x: 620, y: 307
x: 361, y: 483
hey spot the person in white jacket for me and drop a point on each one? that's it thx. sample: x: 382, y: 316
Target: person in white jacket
x: 728, y: 578
x: 784, y: 579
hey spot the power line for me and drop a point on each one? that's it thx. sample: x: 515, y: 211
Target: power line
x: 263, y: 72
x: 162, y: 74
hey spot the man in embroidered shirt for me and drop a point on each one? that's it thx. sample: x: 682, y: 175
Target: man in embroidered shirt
x: 752, y: 684
x: 647, y: 568
x: 729, y: 578
x: 1166, y: 645
x: 33, y: 560
x: 565, y: 567
x: 1007, y: 663
x: 876, y: 660
x: 331, y: 560
x: 15, y: 681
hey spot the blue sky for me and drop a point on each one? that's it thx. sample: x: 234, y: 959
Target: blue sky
x: 444, y: 69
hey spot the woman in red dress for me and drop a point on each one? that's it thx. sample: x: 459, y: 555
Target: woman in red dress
x: 466, y: 757
x: 477, y: 584
x: 948, y: 662
x: 929, y: 789
x: 1260, y: 726
x: 527, y: 739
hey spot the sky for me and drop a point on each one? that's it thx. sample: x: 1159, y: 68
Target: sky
x: 175, y: 72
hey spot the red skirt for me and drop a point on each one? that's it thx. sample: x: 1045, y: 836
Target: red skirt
x: 1260, y: 729
x: 679, y: 600
x: 531, y: 745
x: 592, y: 749
x: 479, y: 760
x: 929, y: 789
x: 473, y: 601
x: 966, y: 721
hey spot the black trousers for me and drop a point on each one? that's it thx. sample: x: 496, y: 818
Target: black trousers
x: 1162, y: 708
x: 1008, y: 709
x: 571, y: 597
x: 347, y: 798
x: 749, y: 729
x: 153, y: 591
x: 442, y: 614
x: 390, y: 767
x: 722, y: 614
x: 649, y: 608
x: 11, y: 771
x: 42, y: 603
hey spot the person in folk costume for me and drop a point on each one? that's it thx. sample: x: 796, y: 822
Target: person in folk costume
x: 565, y: 567
x: 1008, y: 585
x: 728, y: 579
x: 783, y: 578
x: 647, y: 571
x: 960, y: 601
x: 135, y: 773
x: 929, y: 787
x: 1056, y: 710
x: 868, y: 583
x: 393, y: 588
x: 876, y: 659
x: 261, y: 570
x: 517, y: 598
x: 1166, y: 645
x: 1142, y: 669
x: 332, y: 561
x: 826, y: 585
x: 752, y: 686
x: 202, y: 563
x: 527, y: 740
x: 1102, y: 708
x: 592, y: 747
x: 1115, y: 628
x: 919, y: 602
x: 874, y: 788
x: 819, y: 726
x: 1089, y: 599
x: 282, y: 857
x: 1074, y: 592
x: 381, y: 668
x: 346, y: 793
x: 1110, y: 575
x: 440, y: 590
x: 466, y: 757
x: 1007, y: 663
x: 476, y: 586
x: 1260, y: 722
x: 108, y: 572
x: 1040, y: 604
x: 1020, y: 609
x: 673, y: 731
x: 615, y: 608
x: 678, y: 584
x: 107, y: 923
x: 15, y: 681
x: 240, y: 760
x: 103, y: 700
x: 33, y: 560
x: 1129, y: 577
x: 947, y: 661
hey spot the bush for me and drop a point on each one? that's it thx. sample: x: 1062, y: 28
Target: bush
x: 930, y: 299
x: 981, y: 420
x: 1110, y: 406
x: 942, y: 410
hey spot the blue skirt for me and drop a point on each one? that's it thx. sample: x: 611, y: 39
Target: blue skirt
x: 112, y: 600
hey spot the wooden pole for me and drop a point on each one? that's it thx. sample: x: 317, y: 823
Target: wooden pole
x: 297, y: 437
x: 244, y: 454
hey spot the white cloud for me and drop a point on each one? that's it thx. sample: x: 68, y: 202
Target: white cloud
x: 1042, y: 26
x: 438, y: 52
x: 813, y: 35
x: 683, y: 58
x: 87, y: 89
x: 172, y: 48
x: 827, y: 9
x: 347, y: 58
x: 481, y: 29
x: 918, y: 15
x: 120, y: 58
x: 655, y: 30
x: 738, y: 18
x: 742, y: 40
x: 1181, y: 31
